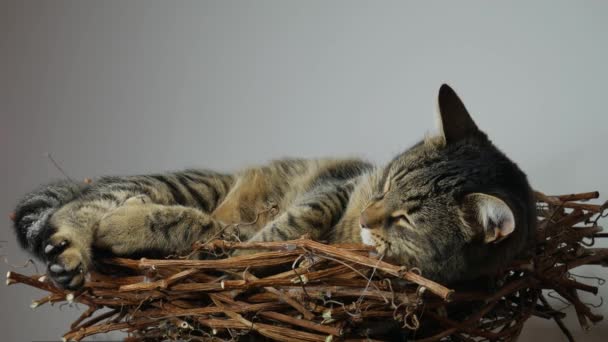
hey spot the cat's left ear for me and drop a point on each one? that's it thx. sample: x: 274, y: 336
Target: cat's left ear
x: 454, y: 119
x: 490, y: 213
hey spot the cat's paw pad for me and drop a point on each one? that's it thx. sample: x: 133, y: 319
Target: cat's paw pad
x: 66, y: 263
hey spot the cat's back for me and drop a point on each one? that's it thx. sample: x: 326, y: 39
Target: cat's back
x: 280, y: 182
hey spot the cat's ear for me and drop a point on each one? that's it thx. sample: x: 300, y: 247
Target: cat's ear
x: 455, y: 123
x: 490, y: 213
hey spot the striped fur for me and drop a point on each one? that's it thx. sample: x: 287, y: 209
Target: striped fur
x: 413, y: 209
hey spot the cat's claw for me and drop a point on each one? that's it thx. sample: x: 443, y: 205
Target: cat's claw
x: 56, y: 268
x: 65, y: 263
x: 51, y: 249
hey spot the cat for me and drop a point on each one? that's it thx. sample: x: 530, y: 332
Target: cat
x: 452, y: 205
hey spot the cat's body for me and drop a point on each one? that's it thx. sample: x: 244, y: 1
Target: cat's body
x: 444, y: 206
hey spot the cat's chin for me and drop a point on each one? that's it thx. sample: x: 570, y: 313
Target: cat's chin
x: 367, y: 237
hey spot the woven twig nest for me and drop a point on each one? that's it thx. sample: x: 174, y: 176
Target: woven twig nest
x: 303, y: 290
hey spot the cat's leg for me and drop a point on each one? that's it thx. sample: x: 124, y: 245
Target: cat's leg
x: 61, y: 229
x: 139, y: 227
x: 136, y: 226
x: 69, y: 232
x: 314, y: 213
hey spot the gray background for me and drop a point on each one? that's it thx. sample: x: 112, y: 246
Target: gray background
x: 117, y: 87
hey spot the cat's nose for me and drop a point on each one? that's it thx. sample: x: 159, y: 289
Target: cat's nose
x: 363, y: 221
x: 372, y: 217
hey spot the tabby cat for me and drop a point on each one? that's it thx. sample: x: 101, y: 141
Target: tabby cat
x: 452, y: 205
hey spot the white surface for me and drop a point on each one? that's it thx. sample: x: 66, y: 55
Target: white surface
x: 117, y: 87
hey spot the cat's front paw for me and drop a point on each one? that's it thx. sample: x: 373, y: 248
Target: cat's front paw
x: 67, y: 261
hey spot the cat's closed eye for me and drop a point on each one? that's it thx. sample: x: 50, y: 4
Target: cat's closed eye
x: 401, y: 218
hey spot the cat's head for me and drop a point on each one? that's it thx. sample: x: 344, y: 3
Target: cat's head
x: 453, y: 205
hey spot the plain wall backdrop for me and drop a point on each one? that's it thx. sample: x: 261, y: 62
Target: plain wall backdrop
x: 122, y: 87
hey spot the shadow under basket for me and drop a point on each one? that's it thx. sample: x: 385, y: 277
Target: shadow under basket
x: 302, y: 290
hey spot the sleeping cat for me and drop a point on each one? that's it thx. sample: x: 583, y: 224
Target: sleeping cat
x: 452, y: 205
